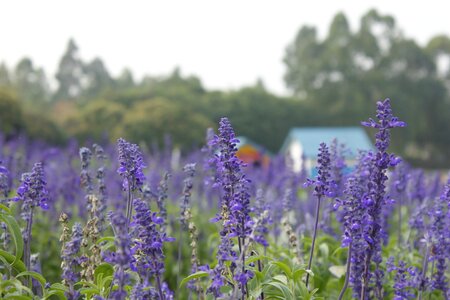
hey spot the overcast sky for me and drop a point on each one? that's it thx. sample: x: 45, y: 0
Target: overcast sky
x: 228, y: 44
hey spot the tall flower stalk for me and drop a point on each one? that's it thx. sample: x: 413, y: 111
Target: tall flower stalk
x: 376, y: 198
x: 70, y: 259
x: 122, y: 257
x: 130, y: 168
x: 353, y: 215
x: 33, y: 193
x: 187, y: 224
x: 148, y: 246
x: 4, y: 184
x: 440, y: 216
x: 235, y: 213
x: 321, y: 190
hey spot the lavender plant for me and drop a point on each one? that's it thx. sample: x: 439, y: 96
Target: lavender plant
x: 147, y: 250
x: 122, y: 257
x: 235, y: 213
x: 131, y: 165
x: 322, y: 188
x: 376, y: 198
x: 33, y: 193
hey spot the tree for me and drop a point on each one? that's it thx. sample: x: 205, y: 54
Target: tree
x: 125, y: 80
x: 31, y: 83
x: 97, y: 79
x: 5, y: 80
x: 70, y: 74
x: 151, y: 120
x: 11, y: 115
x: 343, y: 74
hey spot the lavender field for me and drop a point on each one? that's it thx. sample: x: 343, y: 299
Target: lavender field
x: 122, y: 221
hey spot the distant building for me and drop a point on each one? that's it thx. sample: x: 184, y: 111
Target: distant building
x: 252, y: 153
x: 301, y: 144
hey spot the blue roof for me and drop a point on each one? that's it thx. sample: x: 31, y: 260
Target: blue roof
x: 354, y: 138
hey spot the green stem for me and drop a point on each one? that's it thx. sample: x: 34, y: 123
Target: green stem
x: 347, y: 273
x: 311, y: 253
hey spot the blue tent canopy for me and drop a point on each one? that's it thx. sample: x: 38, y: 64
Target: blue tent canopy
x: 354, y: 138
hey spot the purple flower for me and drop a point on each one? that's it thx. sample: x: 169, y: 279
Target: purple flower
x: 376, y: 199
x: 403, y: 280
x: 101, y: 172
x: 122, y: 257
x: 440, y: 235
x: 131, y: 165
x: 163, y: 189
x: 32, y: 190
x: 261, y: 210
x: 130, y: 168
x: 322, y: 188
x: 4, y: 180
x: 148, y: 245
x: 235, y: 203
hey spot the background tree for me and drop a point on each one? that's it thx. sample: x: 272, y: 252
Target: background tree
x: 342, y: 75
x: 5, y: 80
x: 31, y: 84
x: 97, y: 79
x: 11, y: 114
x: 70, y: 74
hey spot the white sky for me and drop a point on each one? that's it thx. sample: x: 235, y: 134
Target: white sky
x: 228, y: 44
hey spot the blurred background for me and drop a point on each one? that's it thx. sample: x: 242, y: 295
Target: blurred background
x: 146, y: 70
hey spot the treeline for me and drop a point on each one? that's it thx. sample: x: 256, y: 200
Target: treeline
x: 335, y: 82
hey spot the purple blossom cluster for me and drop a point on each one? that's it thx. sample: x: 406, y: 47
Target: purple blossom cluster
x: 376, y: 198
x: 148, y: 260
x: 122, y: 257
x: 405, y: 279
x: 4, y: 182
x: 323, y: 187
x: 33, y: 191
x: 235, y: 203
x: 131, y: 165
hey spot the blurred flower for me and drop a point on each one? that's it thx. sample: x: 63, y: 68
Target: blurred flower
x: 131, y: 165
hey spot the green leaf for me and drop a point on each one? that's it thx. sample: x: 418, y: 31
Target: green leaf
x: 86, y: 291
x: 196, y: 275
x: 285, y: 292
x: 298, y: 274
x: 58, y: 286
x: 281, y: 278
x: 253, y: 259
x: 106, y: 239
x: 89, y: 284
x: 36, y: 276
x: 104, y: 269
x: 339, y: 251
x: 5, y: 208
x: 284, y: 267
x: 18, y: 297
x: 18, y: 265
x: 15, y: 233
x: 58, y: 293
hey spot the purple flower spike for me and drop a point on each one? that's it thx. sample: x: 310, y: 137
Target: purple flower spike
x: 33, y: 191
x: 131, y: 165
x: 376, y: 199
